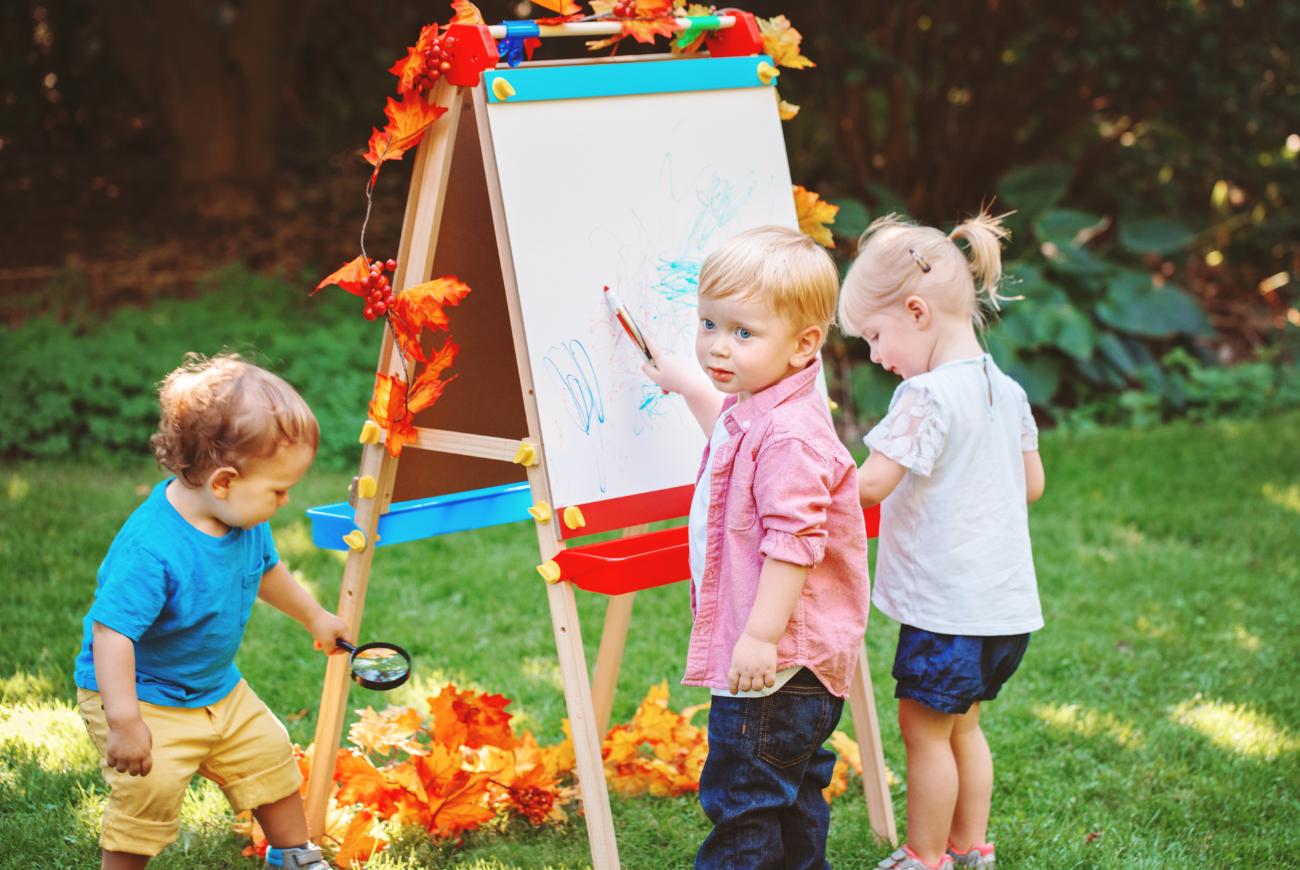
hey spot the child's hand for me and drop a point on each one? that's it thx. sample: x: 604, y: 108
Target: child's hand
x: 672, y: 373
x: 130, y: 747
x: 753, y: 665
x: 326, y: 628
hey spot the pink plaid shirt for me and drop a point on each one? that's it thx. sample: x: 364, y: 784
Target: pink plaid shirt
x: 782, y: 486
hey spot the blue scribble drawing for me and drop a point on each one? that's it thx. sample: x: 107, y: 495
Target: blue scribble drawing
x: 719, y: 202
x: 679, y: 280
x: 578, y: 377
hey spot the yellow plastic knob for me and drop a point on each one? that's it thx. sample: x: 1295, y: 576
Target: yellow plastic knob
x: 502, y: 89
x: 766, y: 73
x: 355, y: 539
x: 370, y: 432
x: 526, y: 455
x: 366, y: 486
x: 550, y: 571
x: 541, y: 512
x: 573, y: 517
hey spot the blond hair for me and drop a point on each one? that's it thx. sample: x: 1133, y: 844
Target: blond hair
x: 223, y: 411
x: 897, y: 259
x: 782, y: 268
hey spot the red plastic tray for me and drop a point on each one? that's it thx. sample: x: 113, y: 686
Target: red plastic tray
x: 628, y: 564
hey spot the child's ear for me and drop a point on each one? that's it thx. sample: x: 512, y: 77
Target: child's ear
x: 806, y: 345
x: 219, y: 481
x: 918, y: 311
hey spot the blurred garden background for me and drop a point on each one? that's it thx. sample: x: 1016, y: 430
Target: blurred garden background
x: 177, y: 175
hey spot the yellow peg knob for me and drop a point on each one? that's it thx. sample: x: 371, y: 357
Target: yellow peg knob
x: 573, y: 517
x: 832, y: 405
x: 370, y: 432
x: 541, y: 512
x: 366, y: 486
x: 550, y: 571
x: 526, y: 455
x: 502, y: 89
x: 355, y: 539
x: 767, y: 73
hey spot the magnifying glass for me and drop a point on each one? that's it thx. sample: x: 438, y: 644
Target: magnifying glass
x: 379, y: 666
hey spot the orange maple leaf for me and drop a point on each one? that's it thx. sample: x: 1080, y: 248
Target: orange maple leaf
x: 562, y: 7
x: 407, y: 122
x: 781, y: 41
x: 388, y: 409
x: 649, y: 19
x: 357, y: 842
x: 409, y: 68
x: 457, y: 798
x: 349, y: 277
x: 466, y: 13
x: 815, y: 215
x: 421, y: 307
x: 469, y: 720
x: 360, y: 782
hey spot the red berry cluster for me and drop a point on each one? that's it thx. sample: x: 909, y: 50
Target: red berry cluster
x: 625, y: 9
x: 379, y: 293
x: 437, y: 60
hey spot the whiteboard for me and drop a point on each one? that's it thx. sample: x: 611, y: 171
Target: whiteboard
x: 633, y: 192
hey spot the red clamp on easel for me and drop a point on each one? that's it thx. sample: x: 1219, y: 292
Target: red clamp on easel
x: 473, y: 51
x: 740, y: 40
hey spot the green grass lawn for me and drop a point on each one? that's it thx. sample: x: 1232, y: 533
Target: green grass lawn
x: 1155, y: 721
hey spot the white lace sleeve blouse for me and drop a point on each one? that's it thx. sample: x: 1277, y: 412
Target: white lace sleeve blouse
x: 954, y: 555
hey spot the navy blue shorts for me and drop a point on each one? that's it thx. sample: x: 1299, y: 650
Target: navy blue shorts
x: 949, y: 672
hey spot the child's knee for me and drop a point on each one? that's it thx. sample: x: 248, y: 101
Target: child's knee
x: 143, y: 812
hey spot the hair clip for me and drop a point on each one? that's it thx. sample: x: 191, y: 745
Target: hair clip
x: 920, y: 261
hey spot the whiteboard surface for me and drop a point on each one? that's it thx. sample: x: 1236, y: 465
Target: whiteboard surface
x: 632, y: 192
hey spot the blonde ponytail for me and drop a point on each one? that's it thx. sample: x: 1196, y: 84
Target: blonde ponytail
x: 984, y: 235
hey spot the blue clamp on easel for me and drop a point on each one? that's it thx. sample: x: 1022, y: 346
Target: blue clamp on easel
x: 515, y: 45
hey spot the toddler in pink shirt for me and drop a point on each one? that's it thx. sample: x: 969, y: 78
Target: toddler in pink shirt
x: 778, y: 548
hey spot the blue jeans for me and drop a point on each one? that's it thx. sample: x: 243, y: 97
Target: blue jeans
x: 762, y: 783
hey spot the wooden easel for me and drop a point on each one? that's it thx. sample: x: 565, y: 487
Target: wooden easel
x: 459, y: 459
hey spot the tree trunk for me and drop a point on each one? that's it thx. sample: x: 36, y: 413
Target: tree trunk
x: 215, y: 71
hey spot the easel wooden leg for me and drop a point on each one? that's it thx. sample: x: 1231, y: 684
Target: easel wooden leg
x: 376, y: 462
x: 582, y: 722
x: 875, y: 785
x: 609, y: 658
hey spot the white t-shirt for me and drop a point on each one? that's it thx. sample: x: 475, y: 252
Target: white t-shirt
x: 954, y: 554
x: 698, y: 537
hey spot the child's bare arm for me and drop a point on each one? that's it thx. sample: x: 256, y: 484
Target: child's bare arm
x: 130, y: 744
x: 676, y: 375
x: 877, y: 478
x: 753, y: 660
x: 287, y: 595
x: 1035, y: 479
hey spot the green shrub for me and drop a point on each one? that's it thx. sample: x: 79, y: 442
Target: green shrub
x: 89, y: 387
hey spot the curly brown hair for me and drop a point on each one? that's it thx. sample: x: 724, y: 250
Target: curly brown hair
x: 222, y: 411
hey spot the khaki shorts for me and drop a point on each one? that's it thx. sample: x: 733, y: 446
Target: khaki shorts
x: 236, y: 742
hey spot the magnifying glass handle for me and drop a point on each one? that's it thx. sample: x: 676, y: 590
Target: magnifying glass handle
x: 343, y: 644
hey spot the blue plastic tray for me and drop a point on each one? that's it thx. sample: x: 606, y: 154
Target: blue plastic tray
x: 426, y: 517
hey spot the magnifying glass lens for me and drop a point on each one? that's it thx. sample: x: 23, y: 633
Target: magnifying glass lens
x: 379, y: 665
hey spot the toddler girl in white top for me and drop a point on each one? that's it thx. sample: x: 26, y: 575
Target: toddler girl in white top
x: 955, y: 462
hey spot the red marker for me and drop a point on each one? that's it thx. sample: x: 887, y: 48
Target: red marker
x: 625, y: 320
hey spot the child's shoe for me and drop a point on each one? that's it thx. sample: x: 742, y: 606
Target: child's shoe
x: 906, y: 859
x: 307, y: 857
x: 978, y: 855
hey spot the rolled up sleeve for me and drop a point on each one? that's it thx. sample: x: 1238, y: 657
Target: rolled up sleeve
x: 792, y: 492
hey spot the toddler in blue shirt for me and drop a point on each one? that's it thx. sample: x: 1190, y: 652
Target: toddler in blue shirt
x: 157, y: 683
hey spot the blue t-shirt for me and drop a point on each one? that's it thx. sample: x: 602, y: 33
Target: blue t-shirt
x: 183, y: 596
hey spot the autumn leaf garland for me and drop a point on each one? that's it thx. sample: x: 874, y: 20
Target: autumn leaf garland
x: 398, y: 398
